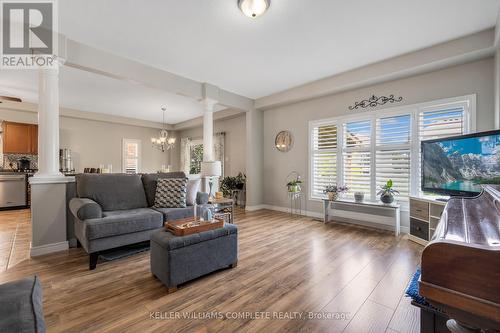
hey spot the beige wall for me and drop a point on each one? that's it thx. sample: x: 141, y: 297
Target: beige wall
x: 476, y: 77
x: 98, y: 142
x: 235, y: 143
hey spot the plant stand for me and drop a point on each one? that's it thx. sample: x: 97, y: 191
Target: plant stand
x: 295, y: 203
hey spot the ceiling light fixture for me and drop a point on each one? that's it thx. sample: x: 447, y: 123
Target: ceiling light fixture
x: 253, y: 8
x: 163, y: 142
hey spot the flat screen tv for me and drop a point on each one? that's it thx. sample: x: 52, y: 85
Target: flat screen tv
x: 458, y: 166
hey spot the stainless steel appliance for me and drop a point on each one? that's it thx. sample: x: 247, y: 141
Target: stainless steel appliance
x: 24, y: 164
x: 65, y: 160
x: 12, y: 190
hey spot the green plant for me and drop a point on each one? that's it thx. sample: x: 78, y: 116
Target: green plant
x: 387, y: 189
x: 227, y: 184
x: 294, y: 182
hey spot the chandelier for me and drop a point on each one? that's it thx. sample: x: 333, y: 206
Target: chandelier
x: 163, y: 142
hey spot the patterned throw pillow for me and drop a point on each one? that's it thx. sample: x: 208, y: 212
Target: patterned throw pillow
x: 171, y: 193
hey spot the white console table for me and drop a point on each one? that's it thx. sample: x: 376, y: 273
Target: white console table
x: 375, y: 208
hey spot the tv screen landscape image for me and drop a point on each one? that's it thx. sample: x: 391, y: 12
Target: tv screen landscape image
x: 460, y: 165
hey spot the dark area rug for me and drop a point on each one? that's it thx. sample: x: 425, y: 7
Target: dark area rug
x: 124, y: 251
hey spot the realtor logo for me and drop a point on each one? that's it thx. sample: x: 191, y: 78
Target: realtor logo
x: 29, y: 38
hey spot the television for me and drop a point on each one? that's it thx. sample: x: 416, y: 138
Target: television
x: 458, y: 166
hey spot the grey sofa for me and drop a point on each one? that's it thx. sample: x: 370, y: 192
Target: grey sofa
x: 21, y: 308
x: 113, y: 210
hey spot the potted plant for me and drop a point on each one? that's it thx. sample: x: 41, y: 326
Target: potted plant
x: 333, y: 191
x: 227, y: 184
x: 294, y: 185
x: 386, y: 192
x: 240, y: 181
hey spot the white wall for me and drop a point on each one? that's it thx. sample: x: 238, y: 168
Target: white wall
x: 98, y: 142
x: 476, y: 77
x: 235, y: 143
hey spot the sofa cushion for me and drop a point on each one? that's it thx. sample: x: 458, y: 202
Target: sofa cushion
x: 149, y: 182
x: 114, y: 223
x: 172, y: 214
x: 170, y: 242
x: 21, y: 308
x: 171, y: 193
x: 193, y: 186
x: 112, y: 191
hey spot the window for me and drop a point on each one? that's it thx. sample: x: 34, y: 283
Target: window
x: 381, y: 146
x: 393, y: 153
x: 356, y: 156
x: 131, y: 155
x: 324, y: 157
x: 195, y: 158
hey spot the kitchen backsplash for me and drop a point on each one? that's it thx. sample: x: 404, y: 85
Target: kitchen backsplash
x: 8, y: 158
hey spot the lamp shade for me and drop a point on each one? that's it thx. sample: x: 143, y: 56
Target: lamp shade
x: 211, y: 169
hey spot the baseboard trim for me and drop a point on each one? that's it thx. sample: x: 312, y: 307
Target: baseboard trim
x: 403, y: 229
x: 287, y: 210
x: 48, y: 248
x: 254, y: 208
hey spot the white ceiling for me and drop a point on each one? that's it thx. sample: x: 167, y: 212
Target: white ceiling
x: 295, y: 42
x: 96, y: 93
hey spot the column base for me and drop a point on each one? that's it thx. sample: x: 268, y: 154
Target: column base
x: 50, y: 179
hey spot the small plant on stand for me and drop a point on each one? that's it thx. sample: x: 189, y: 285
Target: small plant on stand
x: 387, y: 192
x: 333, y: 191
x: 294, y: 185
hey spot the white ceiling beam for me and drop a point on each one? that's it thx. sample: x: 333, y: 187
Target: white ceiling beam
x: 87, y: 58
x: 198, y: 122
x: 455, y: 52
x: 72, y: 113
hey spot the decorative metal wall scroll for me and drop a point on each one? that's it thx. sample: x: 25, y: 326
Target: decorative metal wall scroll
x: 375, y: 101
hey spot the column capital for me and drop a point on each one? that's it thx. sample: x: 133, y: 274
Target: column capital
x: 208, y: 104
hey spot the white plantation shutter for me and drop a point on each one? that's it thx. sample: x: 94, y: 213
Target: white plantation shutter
x: 435, y: 124
x: 393, y: 153
x: 365, y: 154
x: 357, y: 156
x: 131, y: 155
x: 324, y: 158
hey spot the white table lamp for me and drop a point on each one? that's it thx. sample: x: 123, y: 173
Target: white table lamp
x: 211, y: 169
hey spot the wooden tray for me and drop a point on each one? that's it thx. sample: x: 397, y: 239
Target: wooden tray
x: 175, y: 226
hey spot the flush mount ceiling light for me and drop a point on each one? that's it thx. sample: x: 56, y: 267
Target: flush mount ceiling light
x: 253, y: 8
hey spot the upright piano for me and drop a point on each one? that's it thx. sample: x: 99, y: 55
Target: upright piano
x: 461, y: 264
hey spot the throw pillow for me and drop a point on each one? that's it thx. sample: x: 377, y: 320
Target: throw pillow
x: 193, y: 186
x: 171, y: 193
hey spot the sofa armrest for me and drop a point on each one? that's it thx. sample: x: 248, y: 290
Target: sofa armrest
x: 201, y: 198
x: 84, y: 208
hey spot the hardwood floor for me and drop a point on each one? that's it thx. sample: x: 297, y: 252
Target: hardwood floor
x: 287, y: 269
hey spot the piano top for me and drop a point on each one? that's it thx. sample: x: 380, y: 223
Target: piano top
x: 475, y: 221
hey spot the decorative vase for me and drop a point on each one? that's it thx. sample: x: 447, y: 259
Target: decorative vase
x: 294, y: 188
x: 387, y: 198
x: 332, y: 196
x: 359, y: 196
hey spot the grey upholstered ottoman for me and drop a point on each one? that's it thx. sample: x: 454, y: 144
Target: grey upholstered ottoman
x: 175, y: 260
x: 21, y: 308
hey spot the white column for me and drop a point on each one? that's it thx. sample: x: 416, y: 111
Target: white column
x: 48, y: 186
x: 208, y: 129
x: 48, y: 124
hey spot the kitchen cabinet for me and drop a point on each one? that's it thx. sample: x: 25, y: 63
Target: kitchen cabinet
x: 20, y: 138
